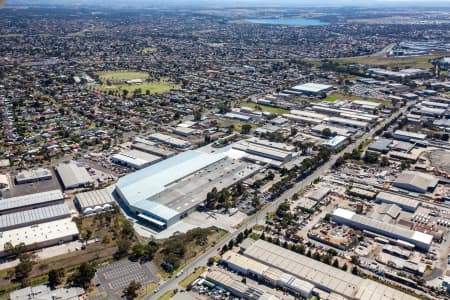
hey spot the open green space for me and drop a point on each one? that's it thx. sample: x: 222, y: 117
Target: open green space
x: 149, y: 50
x: 147, y: 290
x: 167, y: 295
x: 339, y: 96
x: 158, y: 87
x: 191, y: 277
x: 120, y: 76
x: 259, y: 107
x: 422, y: 61
x: 180, y: 249
x: 11, y: 35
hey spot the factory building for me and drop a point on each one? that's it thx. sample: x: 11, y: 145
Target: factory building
x: 336, y: 142
x: 302, y: 119
x: 179, y: 185
x: 346, y: 217
x: 339, y: 284
x: 381, y: 145
x: 408, y: 136
x: 74, y: 176
x: 169, y: 140
x: 405, y: 203
x: 33, y: 216
x: 348, y: 123
x: 44, y: 292
x: 31, y: 201
x: 29, y: 176
x: 274, y: 154
x: 272, y: 276
x: 313, y: 89
x: 96, y: 201
x: 416, y: 182
x: 151, y: 147
x: 318, y: 129
x: 135, y: 159
x: 40, y: 235
x: 4, y: 181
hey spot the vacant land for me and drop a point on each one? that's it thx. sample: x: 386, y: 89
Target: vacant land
x: 259, y: 107
x: 191, y: 277
x: 400, y: 62
x: 167, y: 295
x: 180, y: 249
x: 120, y: 76
x: 149, y: 50
x: 338, y: 96
x: 114, y: 82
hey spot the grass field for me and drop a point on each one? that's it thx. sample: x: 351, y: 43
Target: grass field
x: 158, y: 87
x: 11, y: 35
x: 149, y: 50
x: 117, y: 78
x: 191, y: 252
x: 275, y: 110
x: 167, y: 295
x: 401, y: 62
x: 120, y: 76
x: 191, y: 277
x: 147, y: 290
x: 338, y: 96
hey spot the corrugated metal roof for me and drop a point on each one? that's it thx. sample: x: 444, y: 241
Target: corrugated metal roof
x: 73, y: 175
x: 143, y: 184
x: 94, y: 198
x: 31, y: 199
x: 33, y: 216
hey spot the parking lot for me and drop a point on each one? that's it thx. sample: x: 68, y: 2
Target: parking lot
x: 114, y: 278
x: 30, y: 188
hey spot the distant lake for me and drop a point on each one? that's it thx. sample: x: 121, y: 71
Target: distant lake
x: 294, y: 21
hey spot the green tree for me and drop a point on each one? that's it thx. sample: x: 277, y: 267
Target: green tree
x: 55, y: 277
x: 245, y: 129
x: 83, y: 275
x: 23, y: 269
x: 123, y: 246
x: 336, y: 263
x: 131, y: 291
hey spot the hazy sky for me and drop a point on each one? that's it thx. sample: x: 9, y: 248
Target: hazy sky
x: 228, y: 3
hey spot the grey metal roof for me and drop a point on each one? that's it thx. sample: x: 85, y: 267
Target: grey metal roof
x: 33, y: 216
x: 31, y: 199
x: 73, y: 175
x: 94, y: 198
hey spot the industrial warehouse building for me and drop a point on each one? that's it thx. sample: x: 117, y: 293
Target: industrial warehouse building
x: 339, y: 284
x: 408, y: 136
x: 336, y: 142
x: 31, y: 201
x: 135, y: 159
x: 274, y: 154
x: 74, y: 176
x: 44, y: 292
x: 272, y: 276
x: 421, y: 241
x: 94, y: 201
x: 40, y: 235
x: 33, y: 216
x: 405, y: 203
x: 150, y: 147
x: 29, y: 176
x: 416, y: 182
x: 165, y: 192
x: 314, y: 89
x: 169, y: 140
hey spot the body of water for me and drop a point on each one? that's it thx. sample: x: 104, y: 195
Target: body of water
x: 294, y: 21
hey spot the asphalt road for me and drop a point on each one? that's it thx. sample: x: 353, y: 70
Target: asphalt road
x: 172, y: 283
